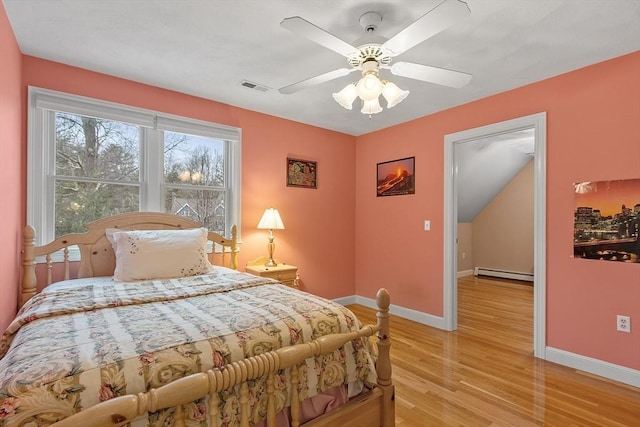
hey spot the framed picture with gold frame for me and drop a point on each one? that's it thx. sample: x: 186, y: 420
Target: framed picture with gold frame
x: 302, y: 173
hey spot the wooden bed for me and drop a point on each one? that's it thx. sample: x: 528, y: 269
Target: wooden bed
x: 373, y: 406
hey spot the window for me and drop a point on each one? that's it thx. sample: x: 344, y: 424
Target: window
x: 89, y: 159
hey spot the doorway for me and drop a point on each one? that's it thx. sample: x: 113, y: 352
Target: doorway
x: 537, y: 122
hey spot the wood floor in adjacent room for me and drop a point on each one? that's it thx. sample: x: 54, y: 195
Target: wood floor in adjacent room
x: 484, y: 374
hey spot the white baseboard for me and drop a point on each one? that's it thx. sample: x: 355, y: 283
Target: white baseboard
x: 347, y: 300
x: 505, y: 274
x: 405, y: 313
x: 594, y: 366
x: 465, y: 273
x: 584, y: 363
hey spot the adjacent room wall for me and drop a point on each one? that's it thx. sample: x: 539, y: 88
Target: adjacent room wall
x: 465, y: 248
x: 503, y: 230
x: 11, y: 169
x: 592, y: 134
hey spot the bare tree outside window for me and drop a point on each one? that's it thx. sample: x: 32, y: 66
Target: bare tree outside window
x: 195, y: 179
x: 97, y: 170
x: 98, y: 173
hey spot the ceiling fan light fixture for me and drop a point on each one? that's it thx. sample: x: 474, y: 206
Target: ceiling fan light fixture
x: 393, y: 94
x: 346, y: 96
x: 369, y: 87
x: 371, y: 106
x: 374, y: 51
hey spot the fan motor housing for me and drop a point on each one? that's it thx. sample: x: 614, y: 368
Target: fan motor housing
x: 369, y: 52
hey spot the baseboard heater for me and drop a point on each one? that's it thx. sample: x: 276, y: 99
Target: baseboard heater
x: 505, y: 274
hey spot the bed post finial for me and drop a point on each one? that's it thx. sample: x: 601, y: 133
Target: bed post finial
x: 29, y: 282
x: 383, y: 365
x: 383, y: 300
x: 384, y: 342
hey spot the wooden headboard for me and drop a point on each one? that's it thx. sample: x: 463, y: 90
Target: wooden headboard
x: 96, y: 254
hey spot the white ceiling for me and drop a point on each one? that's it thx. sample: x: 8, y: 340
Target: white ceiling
x: 207, y: 47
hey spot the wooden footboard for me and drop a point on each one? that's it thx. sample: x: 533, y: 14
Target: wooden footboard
x: 374, y: 408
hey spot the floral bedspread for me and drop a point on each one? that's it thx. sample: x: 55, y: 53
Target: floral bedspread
x: 84, y: 341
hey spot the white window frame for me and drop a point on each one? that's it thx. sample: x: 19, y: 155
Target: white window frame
x: 42, y: 105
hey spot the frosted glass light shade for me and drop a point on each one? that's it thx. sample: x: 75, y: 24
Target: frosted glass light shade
x: 371, y: 106
x: 393, y: 94
x: 271, y: 220
x: 346, y: 96
x: 369, y: 87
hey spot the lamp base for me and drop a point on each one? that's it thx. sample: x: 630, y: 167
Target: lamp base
x: 271, y: 246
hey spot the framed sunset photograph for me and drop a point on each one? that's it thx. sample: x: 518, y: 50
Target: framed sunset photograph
x: 607, y: 220
x: 396, y: 177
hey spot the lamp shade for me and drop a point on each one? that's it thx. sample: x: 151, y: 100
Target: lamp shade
x: 271, y: 220
x: 369, y: 87
x: 346, y: 96
x: 393, y: 94
x: 371, y: 107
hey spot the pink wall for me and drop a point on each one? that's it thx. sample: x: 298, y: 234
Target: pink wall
x: 311, y: 231
x: 11, y: 169
x: 593, y: 133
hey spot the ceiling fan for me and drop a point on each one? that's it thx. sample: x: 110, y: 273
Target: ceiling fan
x: 371, y: 57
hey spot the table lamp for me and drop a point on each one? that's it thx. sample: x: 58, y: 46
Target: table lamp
x: 271, y: 221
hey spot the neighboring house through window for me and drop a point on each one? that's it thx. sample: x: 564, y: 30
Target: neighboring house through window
x: 88, y: 159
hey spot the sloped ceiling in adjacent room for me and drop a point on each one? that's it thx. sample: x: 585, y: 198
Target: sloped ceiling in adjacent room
x: 486, y: 166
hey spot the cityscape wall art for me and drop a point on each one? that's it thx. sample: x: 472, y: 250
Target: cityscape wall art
x: 607, y: 220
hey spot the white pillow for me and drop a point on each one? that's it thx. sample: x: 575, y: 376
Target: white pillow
x: 159, y: 254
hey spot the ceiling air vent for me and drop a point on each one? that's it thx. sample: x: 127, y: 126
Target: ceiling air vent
x: 256, y: 86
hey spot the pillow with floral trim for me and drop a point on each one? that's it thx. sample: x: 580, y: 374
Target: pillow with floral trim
x: 159, y: 254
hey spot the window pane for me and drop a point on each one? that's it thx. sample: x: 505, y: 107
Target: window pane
x: 96, y: 148
x: 202, y: 205
x: 78, y: 203
x: 193, y: 160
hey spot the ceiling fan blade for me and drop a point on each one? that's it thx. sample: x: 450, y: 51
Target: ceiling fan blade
x: 304, y: 84
x: 426, y: 73
x: 316, y: 34
x: 437, y: 19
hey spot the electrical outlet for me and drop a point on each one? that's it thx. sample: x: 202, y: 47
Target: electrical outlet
x: 623, y: 323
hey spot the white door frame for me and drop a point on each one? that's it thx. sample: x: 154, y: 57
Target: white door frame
x: 539, y: 123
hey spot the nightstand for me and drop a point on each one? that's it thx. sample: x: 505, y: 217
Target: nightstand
x: 285, y: 273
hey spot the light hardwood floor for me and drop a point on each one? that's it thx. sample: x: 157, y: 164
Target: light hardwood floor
x: 484, y: 374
